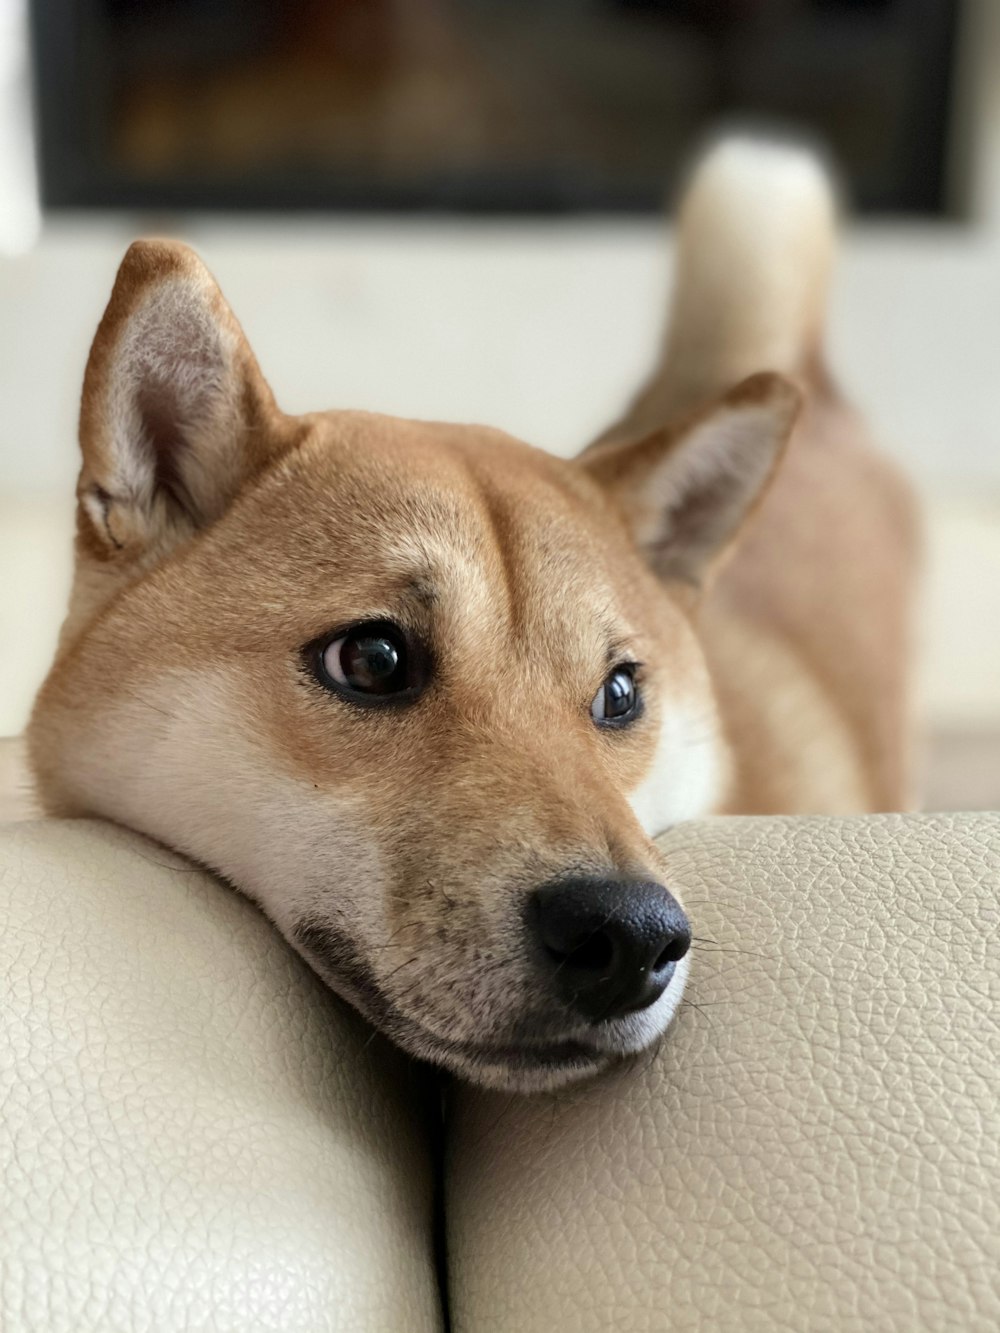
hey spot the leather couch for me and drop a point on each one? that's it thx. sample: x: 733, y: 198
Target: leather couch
x: 195, y: 1135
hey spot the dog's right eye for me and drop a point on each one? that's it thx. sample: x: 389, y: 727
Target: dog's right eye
x: 372, y: 662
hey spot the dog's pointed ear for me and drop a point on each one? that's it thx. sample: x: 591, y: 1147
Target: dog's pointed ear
x: 175, y: 416
x: 687, y: 491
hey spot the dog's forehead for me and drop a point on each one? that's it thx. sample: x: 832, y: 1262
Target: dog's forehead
x: 444, y: 510
x: 439, y: 479
x: 491, y: 547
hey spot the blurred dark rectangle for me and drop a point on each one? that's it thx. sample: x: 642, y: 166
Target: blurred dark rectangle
x: 505, y: 106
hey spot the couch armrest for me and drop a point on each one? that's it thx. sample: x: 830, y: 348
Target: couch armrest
x: 817, y: 1142
x: 17, y: 795
x: 194, y: 1134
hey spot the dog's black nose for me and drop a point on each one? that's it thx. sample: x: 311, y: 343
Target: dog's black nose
x: 609, y: 945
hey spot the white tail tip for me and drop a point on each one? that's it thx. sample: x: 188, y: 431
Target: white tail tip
x: 757, y: 233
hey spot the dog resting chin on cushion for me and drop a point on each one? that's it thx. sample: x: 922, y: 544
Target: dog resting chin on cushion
x: 426, y: 693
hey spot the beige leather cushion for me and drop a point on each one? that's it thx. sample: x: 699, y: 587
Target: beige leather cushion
x: 817, y: 1145
x: 17, y: 798
x: 194, y: 1134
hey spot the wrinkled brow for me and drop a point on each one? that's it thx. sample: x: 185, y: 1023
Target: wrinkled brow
x: 422, y: 588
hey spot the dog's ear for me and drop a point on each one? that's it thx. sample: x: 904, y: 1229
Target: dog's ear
x: 175, y: 415
x: 687, y: 491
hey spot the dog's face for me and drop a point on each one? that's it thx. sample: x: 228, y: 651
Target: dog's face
x: 420, y: 691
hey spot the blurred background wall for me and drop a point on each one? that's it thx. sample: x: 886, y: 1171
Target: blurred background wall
x: 453, y: 208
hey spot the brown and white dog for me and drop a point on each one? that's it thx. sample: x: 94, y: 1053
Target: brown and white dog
x: 425, y: 693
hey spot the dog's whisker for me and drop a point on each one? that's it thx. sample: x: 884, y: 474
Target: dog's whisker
x: 700, y: 1005
x: 654, y: 1051
x: 728, y: 948
x: 145, y: 702
x: 370, y: 1039
x: 407, y: 962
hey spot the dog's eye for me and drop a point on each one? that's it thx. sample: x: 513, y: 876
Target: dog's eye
x: 370, y: 661
x: 617, y: 701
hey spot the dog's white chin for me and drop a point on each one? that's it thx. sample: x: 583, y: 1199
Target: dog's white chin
x: 601, y: 1048
x: 515, y: 1077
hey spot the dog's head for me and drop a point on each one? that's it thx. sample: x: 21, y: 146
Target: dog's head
x: 419, y: 690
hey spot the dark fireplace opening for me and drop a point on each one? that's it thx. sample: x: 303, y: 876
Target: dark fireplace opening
x: 504, y: 106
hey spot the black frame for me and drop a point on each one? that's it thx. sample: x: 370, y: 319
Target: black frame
x: 68, y: 43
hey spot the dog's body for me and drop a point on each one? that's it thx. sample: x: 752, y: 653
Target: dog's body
x: 807, y: 628
x: 446, y: 844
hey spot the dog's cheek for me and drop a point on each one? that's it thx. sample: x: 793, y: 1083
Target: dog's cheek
x: 184, y: 764
x: 687, y: 776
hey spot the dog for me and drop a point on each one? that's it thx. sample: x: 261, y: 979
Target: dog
x: 425, y: 693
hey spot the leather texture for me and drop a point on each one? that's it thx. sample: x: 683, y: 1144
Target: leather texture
x: 17, y: 797
x: 815, y: 1145
x: 194, y: 1133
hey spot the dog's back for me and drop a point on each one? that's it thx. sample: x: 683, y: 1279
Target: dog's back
x: 807, y: 627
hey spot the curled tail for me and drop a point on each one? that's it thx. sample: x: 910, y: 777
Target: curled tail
x: 755, y: 245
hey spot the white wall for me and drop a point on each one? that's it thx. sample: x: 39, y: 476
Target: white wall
x: 542, y: 329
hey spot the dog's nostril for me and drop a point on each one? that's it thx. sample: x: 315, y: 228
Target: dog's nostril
x: 674, y: 951
x: 610, y: 944
x: 593, y: 954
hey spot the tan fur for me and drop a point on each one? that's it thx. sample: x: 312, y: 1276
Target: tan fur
x: 807, y: 631
x: 395, y: 848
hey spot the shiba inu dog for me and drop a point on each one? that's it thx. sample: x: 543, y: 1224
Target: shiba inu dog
x: 426, y: 693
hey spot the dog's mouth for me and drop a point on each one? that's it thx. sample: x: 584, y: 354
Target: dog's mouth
x: 528, y: 1064
x: 507, y: 1067
x: 522, y: 1066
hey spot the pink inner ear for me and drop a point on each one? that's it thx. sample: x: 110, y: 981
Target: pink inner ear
x: 688, y: 498
x: 172, y: 348
x: 162, y: 434
x: 171, y: 399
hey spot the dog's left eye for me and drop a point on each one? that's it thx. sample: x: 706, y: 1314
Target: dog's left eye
x: 617, y: 701
x: 368, y: 662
